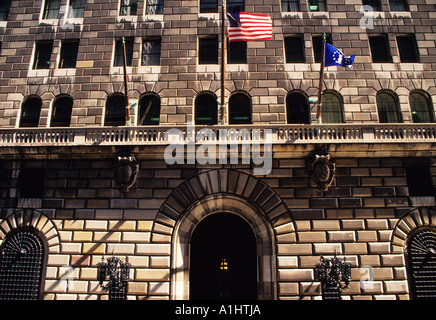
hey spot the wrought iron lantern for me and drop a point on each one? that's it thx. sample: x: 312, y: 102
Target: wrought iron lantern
x: 117, y: 272
x: 334, y: 275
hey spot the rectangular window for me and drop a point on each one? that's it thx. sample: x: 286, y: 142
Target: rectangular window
x: 294, y: 49
x: 379, y: 49
x: 290, y: 5
x: 69, y: 49
x: 155, y: 6
x: 208, y: 50
x: 151, y: 52
x: 317, y: 5
x: 31, y: 183
x: 42, y: 56
x: 5, y: 6
x: 419, y: 181
x: 128, y: 7
x: 208, y: 6
x: 317, y: 46
x: 51, y: 9
x: 235, y: 6
x: 119, y: 52
x: 236, y: 52
x: 407, y: 48
x: 398, y: 5
x: 77, y: 9
x: 375, y: 4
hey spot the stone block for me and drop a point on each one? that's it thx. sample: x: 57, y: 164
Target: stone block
x: 296, y: 274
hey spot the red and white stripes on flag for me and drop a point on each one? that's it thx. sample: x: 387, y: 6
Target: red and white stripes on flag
x: 243, y: 26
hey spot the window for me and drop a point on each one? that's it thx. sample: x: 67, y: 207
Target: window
x: 237, y: 52
x: 420, y: 105
x: 379, y: 49
x: 422, y: 264
x: 317, y: 5
x: 398, y: 5
x: 208, y: 6
x: 119, y: 52
x: 206, y: 109
x: 77, y: 9
x: 51, y: 9
x: 375, y: 4
x: 128, y: 7
x: 290, y: 5
x: 317, y: 46
x: 208, y: 50
x: 235, y: 5
x: 32, y: 183
x: 239, y: 109
x: 42, y: 57
x: 407, y: 48
x: 69, y: 50
x: 294, y: 49
x: 149, y: 110
x: 23, y: 258
x: 30, y: 112
x: 331, y: 111
x: 419, y: 181
x: 115, y: 110
x: 151, y: 49
x: 62, y: 108
x: 388, y: 109
x: 5, y: 6
x: 297, y: 108
x: 155, y: 6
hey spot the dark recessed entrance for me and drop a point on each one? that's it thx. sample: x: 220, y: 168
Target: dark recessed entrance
x: 223, y: 259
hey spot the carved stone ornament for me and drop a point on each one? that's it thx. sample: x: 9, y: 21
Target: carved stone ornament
x: 322, y: 171
x: 125, y: 171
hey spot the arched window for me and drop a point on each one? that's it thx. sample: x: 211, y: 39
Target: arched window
x: 297, y: 108
x: 239, y: 109
x: 206, y: 109
x: 115, y: 110
x: 332, y: 110
x: 149, y: 110
x: 388, y: 109
x: 30, y: 112
x: 420, y: 105
x: 62, y: 108
x: 22, y: 265
x: 422, y: 265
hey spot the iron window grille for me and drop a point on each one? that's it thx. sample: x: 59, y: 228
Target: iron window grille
x: 22, y: 263
x: 128, y: 7
x: 290, y: 5
x: 51, y: 9
x: 422, y: 265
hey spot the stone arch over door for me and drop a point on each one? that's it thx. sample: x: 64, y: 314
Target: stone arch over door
x: 228, y: 191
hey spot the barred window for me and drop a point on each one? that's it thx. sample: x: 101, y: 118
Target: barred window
x: 151, y: 49
x: 77, y: 9
x: 62, y: 108
x: 388, y: 109
x: 149, y: 109
x: 155, y: 6
x: 420, y: 105
x: 128, y: 7
x: 290, y: 5
x: 51, y: 9
x: 206, y: 109
x: 23, y: 257
x: 332, y: 109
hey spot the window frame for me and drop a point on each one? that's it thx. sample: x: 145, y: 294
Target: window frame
x: 35, y: 119
x: 321, y: 5
x: 37, y: 63
x: 301, y: 51
x: 208, y: 6
x: 428, y: 103
x: 305, y: 112
x: 61, y: 120
x: 118, y: 52
x: 237, y: 52
x: 67, y: 52
x: 155, y: 55
x: 214, y: 109
x: 380, y: 56
x: 141, y: 113
x: 404, y: 49
x: 204, y: 54
x: 339, y: 112
x: 118, y: 118
x: 157, y: 5
x: 130, y: 9
x: 290, y: 5
x: 48, y: 9
x: 240, y: 114
x: 77, y: 6
x: 396, y: 106
x: 399, y: 3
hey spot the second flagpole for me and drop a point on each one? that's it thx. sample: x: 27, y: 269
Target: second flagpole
x: 223, y: 62
x: 321, y: 77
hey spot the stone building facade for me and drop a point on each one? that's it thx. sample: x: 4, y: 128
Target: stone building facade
x: 59, y: 180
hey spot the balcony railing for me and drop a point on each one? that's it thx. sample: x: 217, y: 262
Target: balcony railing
x: 279, y: 134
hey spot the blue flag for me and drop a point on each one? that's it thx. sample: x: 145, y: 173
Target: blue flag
x: 333, y: 57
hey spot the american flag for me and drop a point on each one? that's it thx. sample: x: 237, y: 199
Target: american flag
x: 245, y: 26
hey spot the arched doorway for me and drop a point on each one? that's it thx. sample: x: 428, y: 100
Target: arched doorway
x: 223, y: 260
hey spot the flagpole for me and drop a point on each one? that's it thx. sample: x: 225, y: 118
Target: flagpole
x: 321, y: 77
x: 126, y: 89
x: 223, y: 62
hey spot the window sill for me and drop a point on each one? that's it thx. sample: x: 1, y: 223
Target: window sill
x: 154, y: 17
x: 64, y: 72
x: 237, y: 67
x: 208, y: 16
x: 49, y: 22
x: 127, y: 19
x: 319, y: 14
x: 292, y: 15
x: 38, y: 73
x: 401, y: 14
